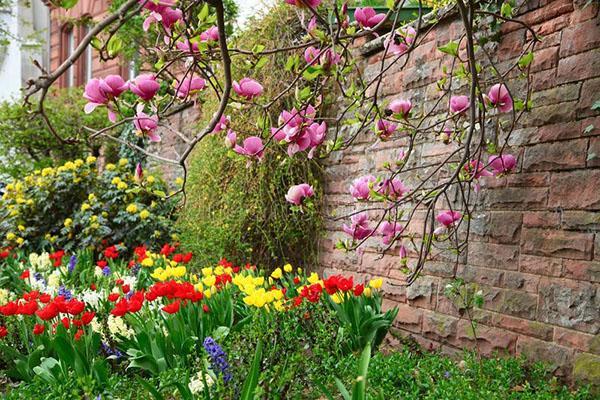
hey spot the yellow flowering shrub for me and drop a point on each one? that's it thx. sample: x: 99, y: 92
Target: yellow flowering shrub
x: 76, y: 206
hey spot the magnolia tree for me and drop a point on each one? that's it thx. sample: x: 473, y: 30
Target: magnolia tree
x: 191, y: 60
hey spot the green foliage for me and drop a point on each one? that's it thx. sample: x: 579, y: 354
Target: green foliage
x: 27, y: 142
x: 238, y: 210
x: 410, y: 375
x: 75, y: 206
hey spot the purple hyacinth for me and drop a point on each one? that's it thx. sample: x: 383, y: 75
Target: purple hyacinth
x: 38, y: 277
x: 135, y: 269
x: 64, y: 292
x: 72, y: 263
x: 218, y: 358
x: 106, y: 271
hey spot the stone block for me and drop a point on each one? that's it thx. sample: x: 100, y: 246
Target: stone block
x: 557, y: 243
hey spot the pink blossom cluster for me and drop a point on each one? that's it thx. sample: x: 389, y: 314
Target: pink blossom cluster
x: 300, y: 131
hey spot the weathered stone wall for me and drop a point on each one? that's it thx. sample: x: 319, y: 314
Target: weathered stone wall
x: 535, y: 244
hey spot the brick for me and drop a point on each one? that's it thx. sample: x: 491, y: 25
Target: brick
x: 442, y: 269
x: 578, y: 67
x: 586, y: 369
x: 532, y: 179
x: 490, y: 340
x: 570, y: 304
x: 492, y: 255
x: 556, y: 156
x: 557, y: 243
x: 485, y: 276
x: 555, y: 95
x: 573, y: 339
x: 548, y: 12
x: 546, y: 266
x: 421, y: 292
x: 439, y: 326
x: 580, y: 37
x: 523, y: 326
x: 545, y: 59
x: 589, y: 95
x: 582, y: 270
x: 543, y: 79
x: 518, y: 304
x: 557, y: 359
x: 575, y: 190
x: 585, y: 11
x: 409, y: 318
x: 551, y: 114
x: 521, y: 281
x: 541, y: 219
x: 395, y: 290
x: 580, y: 220
x: 517, y: 198
x: 499, y: 226
x: 593, y: 154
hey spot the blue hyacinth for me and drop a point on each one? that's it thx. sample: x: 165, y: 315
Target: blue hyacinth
x: 218, y: 358
x: 72, y: 263
x: 106, y: 271
x: 64, y: 292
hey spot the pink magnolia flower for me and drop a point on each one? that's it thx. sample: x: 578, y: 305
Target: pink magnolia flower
x: 312, y: 26
x: 359, y: 229
x: 162, y: 12
x: 304, y: 3
x: 401, y: 106
x: 459, y: 104
x: 389, y: 230
x: 189, y: 86
x: 210, y: 35
x: 144, y: 86
x: 500, y: 97
x: 146, y: 125
x: 248, y: 88
x: 392, y: 188
x: 223, y: 124
x: 329, y: 58
x: 384, y: 128
x: 253, y: 148
x: 476, y: 169
x: 187, y: 46
x: 230, y: 139
x: 297, y: 193
x: 502, y: 164
x: 360, y: 188
x: 99, y: 92
x: 139, y: 173
x: 298, y: 129
x: 448, y: 218
x: 311, y: 54
x: 399, y: 41
x: 367, y: 18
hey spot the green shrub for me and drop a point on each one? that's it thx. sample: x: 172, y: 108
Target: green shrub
x: 239, y: 211
x: 75, y: 206
x: 28, y: 144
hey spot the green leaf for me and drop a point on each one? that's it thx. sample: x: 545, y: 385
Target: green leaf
x: 588, y: 129
x: 258, y: 49
x: 506, y: 10
x: 251, y: 380
x: 390, y: 4
x: 68, y: 3
x: 450, y: 48
x: 203, y: 13
x: 114, y: 46
x: 525, y: 60
x: 261, y: 62
x: 596, y: 105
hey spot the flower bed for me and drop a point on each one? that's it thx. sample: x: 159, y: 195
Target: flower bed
x: 84, y: 316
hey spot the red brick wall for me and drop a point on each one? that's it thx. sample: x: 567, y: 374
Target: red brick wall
x: 535, y: 244
x: 59, y: 20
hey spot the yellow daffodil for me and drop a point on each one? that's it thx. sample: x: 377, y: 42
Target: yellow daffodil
x: 68, y: 222
x: 288, y: 268
x: 144, y: 214
x: 131, y: 209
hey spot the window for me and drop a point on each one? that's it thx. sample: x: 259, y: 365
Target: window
x: 88, y: 61
x: 67, y: 48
